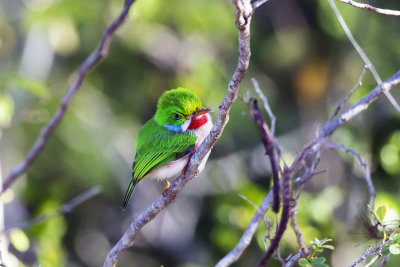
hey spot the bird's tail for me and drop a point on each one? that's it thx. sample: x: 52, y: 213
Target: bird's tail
x: 128, y: 194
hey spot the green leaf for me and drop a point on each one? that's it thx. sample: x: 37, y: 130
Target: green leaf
x: 328, y: 247
x: 381, y: 212
x: 318, y: 260
x: 385, y: 250
x: 394, y: 249
x: 303, y: 262
x: 320, y: 265
x: 396, y: 238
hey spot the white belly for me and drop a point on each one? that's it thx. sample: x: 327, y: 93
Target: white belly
x: 171, y: 170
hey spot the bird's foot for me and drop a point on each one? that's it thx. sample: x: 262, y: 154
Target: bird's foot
x: 167, y: 185
x: 183, y: 171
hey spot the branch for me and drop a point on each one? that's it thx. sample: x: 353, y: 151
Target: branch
x: 372, y: 8
x: 266, y: 105
x: 292, y: 260
x: 286, y: 195
x: 247, y: 236
x: 312, y: 146
x: 383, y: 262
x: 66, y: 208
x: 361, y: 105
x: 361, y: 53
x: 244, y: 11
x: 258, y: 3
x: 299, y: 236
x: 268, y: 142
x: 47, y: 130
x: 332, y: 126
x: 367, y: 174
x: 377, y: 250
x: 349, y: 94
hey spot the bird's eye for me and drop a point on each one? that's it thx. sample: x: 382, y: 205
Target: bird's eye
x: 177, y: 116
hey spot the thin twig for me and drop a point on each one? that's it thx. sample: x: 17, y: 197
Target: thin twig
x: 361, y: 105
x: 369, y: 264
x: 310, y: 172
x: 377, y: 250
x: 388, y: 12
x: 286, y: 195
x: 361, y: 53
x: 341, y: 103
x: 247, y: 236
x: 383, y: 262
x: 363, y: 257
x: 88, y: 64
x: 66, y: 208
x: 292, y: 260
x: 265, y: 104
x: 299, y: 236
x: 243, y: 17
x: 248, y: 200
x: 258, y: 3
x: 367, y: 174
x: 329, y: 128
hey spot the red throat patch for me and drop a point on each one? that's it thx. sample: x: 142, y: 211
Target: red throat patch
x: 198, y: 122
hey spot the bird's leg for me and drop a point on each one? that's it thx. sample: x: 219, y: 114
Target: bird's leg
x: 167, y: 185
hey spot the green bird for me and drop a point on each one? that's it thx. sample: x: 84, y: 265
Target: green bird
x: 165, y: 142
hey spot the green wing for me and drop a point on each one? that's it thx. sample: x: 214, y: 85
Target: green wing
x: 156, y: 147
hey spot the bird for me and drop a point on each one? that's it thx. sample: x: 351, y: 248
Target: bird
x: 165, y: 143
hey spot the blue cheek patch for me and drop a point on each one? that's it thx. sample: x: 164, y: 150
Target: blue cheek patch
x: 173, y: 128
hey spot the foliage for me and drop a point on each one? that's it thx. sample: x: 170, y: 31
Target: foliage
x: 317, y: 248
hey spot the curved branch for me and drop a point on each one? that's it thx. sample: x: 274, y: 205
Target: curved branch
x: 377, y: 251
x: 243, y: 18
x: 327, y: 130
x: 47, y: 130
x: 286, y: 195
x: 267, y: 139
x: 361, y: 105
x: 367, y: 174
x: 245, y: 240
x: 362, y: 54
x: 65, y: 208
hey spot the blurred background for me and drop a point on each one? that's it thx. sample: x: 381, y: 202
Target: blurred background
x: 304, y: 64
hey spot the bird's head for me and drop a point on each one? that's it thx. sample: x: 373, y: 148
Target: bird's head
x: 179, y: 110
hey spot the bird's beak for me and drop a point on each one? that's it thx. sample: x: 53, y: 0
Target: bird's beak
x: 201, y: 111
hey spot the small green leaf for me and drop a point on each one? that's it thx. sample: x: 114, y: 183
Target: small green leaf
x: 396, y: 238
x: 303, y: 262
x: 381, y: 212
x: 320, y: 265
x: 385, y: 251
x: 394, y: 249
x: 318, y: 260
x: 329, y: 247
